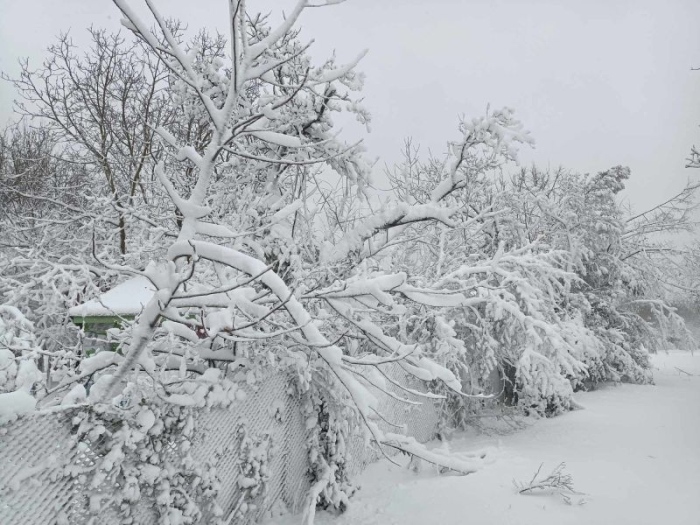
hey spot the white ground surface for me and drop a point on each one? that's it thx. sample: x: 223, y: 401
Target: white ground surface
x: 634, y: 451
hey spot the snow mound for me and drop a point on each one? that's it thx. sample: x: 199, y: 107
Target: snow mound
x: 14, y: 404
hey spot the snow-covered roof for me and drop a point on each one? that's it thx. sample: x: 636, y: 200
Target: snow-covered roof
x: 127, y: 298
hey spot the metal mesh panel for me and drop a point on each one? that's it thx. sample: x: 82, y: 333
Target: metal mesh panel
x: 269, y: 410
x: 419, y: 421
x: 37, y: 458
x: 40, y: 481
x: 40, y: 466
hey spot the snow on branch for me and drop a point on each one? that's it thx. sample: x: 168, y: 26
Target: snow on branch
x: 498, y: 133
x: 337, y: 73
x: 400, y: 215
x: 485, y: 142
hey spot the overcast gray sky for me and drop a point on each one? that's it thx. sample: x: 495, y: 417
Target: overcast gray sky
x: 597, y: 82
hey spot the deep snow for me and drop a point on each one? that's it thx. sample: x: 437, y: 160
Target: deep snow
x: 634, y: 451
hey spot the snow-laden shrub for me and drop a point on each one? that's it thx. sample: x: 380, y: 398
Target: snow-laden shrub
x: 143, y: 444
x: 44, y: 290
x: 331, y: 425
x: 21, y: 382
x: 541, y: 388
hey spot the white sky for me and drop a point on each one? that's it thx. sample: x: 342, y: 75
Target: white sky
x: 599, y: 83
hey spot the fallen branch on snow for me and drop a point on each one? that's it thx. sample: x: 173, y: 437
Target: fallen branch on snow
x: 683, y: 371
x: 558, y: 481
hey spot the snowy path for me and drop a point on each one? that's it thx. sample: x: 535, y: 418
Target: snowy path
x: 634, y: 450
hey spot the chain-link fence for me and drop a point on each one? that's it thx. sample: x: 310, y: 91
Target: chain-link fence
x: 43, y: 466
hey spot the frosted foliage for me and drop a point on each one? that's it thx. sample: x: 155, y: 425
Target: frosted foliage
x: 551, y: 282
x: 19, y: 376
x: 224, y: 247
x: 541, y: 389
x: 248, y: 280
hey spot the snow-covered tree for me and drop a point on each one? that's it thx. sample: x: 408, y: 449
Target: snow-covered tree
x: 216, y: 153
x: 98, y: 108
x: 247, y: 276
x: 519, y: 321
x: 624, y: 265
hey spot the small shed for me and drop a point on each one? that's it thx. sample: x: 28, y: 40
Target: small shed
x: 123, y: 302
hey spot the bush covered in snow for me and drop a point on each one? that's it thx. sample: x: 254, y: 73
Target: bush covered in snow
x: 21, y: 382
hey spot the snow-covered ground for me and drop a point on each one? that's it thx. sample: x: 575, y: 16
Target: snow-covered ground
x: 634, y: 451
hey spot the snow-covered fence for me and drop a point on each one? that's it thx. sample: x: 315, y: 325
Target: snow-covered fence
x: 420, y: 420
x: 42, y: 466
